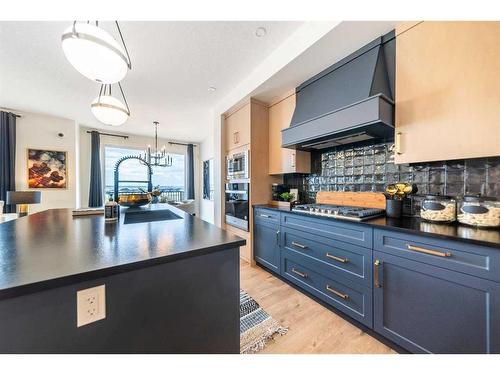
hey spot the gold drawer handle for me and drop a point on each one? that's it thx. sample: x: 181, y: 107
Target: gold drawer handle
x: 428, y: 251
x: 299, y: 245
x: 337, y: 293
x: 301, y: 274
x: 341, y: 260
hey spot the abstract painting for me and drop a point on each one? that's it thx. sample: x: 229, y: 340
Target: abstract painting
x: 47, y: 169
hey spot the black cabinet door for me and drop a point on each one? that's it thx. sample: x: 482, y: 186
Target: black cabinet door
x: 266, y: 246
x: 427, y: 309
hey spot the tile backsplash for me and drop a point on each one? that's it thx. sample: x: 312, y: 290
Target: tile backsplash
x: 372, y: 168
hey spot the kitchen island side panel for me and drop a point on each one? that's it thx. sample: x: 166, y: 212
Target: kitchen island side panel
x: 186, y: 306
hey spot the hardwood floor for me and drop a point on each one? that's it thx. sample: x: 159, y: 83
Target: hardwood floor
x: 312, y: 327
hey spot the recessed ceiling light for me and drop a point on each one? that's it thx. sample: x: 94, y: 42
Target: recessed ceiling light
x: 260, y: 32
x: 212, y: 89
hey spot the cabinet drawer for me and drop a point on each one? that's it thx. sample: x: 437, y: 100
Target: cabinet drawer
x: 357, y: 234
x: 330, y: 256
x: 266, y: 217
x: 352, y: 299
x: 453, y: 255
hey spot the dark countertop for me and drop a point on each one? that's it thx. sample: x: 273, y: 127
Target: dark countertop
x: 454, y: 231
x: 52, y: 248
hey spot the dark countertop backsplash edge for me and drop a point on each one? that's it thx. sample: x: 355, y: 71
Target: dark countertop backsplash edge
x: 417, y: 226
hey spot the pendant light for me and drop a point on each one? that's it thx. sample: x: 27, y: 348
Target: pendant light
x: 108, y: 109
x: 95, y: 53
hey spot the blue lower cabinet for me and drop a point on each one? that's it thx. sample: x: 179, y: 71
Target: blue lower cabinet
x: 266, y: 246
x: 427, y: 309
x: 348, y: 297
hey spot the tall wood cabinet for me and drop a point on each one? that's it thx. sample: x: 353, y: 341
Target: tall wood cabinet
x: 238, y: 128
x: 447, y: 91
x: 247, y: 128
x: 284, y: 160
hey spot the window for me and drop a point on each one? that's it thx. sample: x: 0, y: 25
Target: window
x: 169, y: 180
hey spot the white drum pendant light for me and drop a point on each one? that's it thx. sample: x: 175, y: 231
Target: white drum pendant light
x: 95, y: 53
x: 108, y: 109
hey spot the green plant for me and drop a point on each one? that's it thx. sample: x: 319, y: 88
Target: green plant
x: 287, y: 197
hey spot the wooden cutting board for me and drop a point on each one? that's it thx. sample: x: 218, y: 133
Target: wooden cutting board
x: 346, y: 198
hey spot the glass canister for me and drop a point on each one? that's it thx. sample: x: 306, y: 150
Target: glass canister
x: 479, y: 211
x: 439, y: 208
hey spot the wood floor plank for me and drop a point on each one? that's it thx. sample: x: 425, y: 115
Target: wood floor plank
x: 313, y: 329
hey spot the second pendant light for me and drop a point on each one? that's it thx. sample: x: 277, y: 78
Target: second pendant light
x: 108, y: 109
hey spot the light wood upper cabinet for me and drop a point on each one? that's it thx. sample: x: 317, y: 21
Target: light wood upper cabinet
x: 283, y: 160
x: 238, y: 128
x: 448, y: 91
x: 248, y: 129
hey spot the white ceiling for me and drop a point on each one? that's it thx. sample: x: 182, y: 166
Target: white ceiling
x: 173, y: 64
x: 339, y: 42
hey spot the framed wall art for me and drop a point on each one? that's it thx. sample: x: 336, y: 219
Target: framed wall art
x: 47, y: 169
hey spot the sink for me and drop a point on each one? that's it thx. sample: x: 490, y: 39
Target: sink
x: 147, y: 216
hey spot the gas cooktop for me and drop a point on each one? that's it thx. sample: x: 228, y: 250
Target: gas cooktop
x: 340, y: 212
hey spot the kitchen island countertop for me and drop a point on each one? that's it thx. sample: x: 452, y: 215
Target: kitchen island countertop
x: 52, y: 248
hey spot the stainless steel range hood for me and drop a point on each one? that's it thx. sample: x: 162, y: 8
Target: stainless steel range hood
x: 349, y: 102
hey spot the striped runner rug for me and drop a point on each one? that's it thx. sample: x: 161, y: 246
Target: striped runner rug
x: 256, y: 325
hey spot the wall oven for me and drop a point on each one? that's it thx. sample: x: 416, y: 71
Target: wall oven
x: 237, y: 166
x: 236, y: 203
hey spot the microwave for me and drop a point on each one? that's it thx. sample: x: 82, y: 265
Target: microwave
x: 237, y: 166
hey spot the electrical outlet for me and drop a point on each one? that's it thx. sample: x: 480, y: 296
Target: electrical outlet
x: 90, y: 305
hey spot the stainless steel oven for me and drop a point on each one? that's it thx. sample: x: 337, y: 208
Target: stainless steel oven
x: 237, y: 166
x: 236, y: 203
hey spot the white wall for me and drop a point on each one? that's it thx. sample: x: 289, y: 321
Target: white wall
x: 41, y: 132
x: 302, y: 39
x: 134, y: 141
x: 206, y: 152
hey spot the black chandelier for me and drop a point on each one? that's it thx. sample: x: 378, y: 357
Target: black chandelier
x: 157, y: 158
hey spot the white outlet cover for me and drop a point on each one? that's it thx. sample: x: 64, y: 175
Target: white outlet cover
x: 90, y: 305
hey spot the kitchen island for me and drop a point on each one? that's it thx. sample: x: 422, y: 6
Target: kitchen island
x: 171, y: 286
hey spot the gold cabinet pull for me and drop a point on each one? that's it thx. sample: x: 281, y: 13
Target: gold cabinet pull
x: 301, y: 274
x: 336, y: 292
x: 299, y: 245
x: 428, y: 251
x: 398, y: 143
x: 338, y: 259
x: 376, y: 266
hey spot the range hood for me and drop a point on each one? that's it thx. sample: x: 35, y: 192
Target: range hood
x: 349, y: 102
